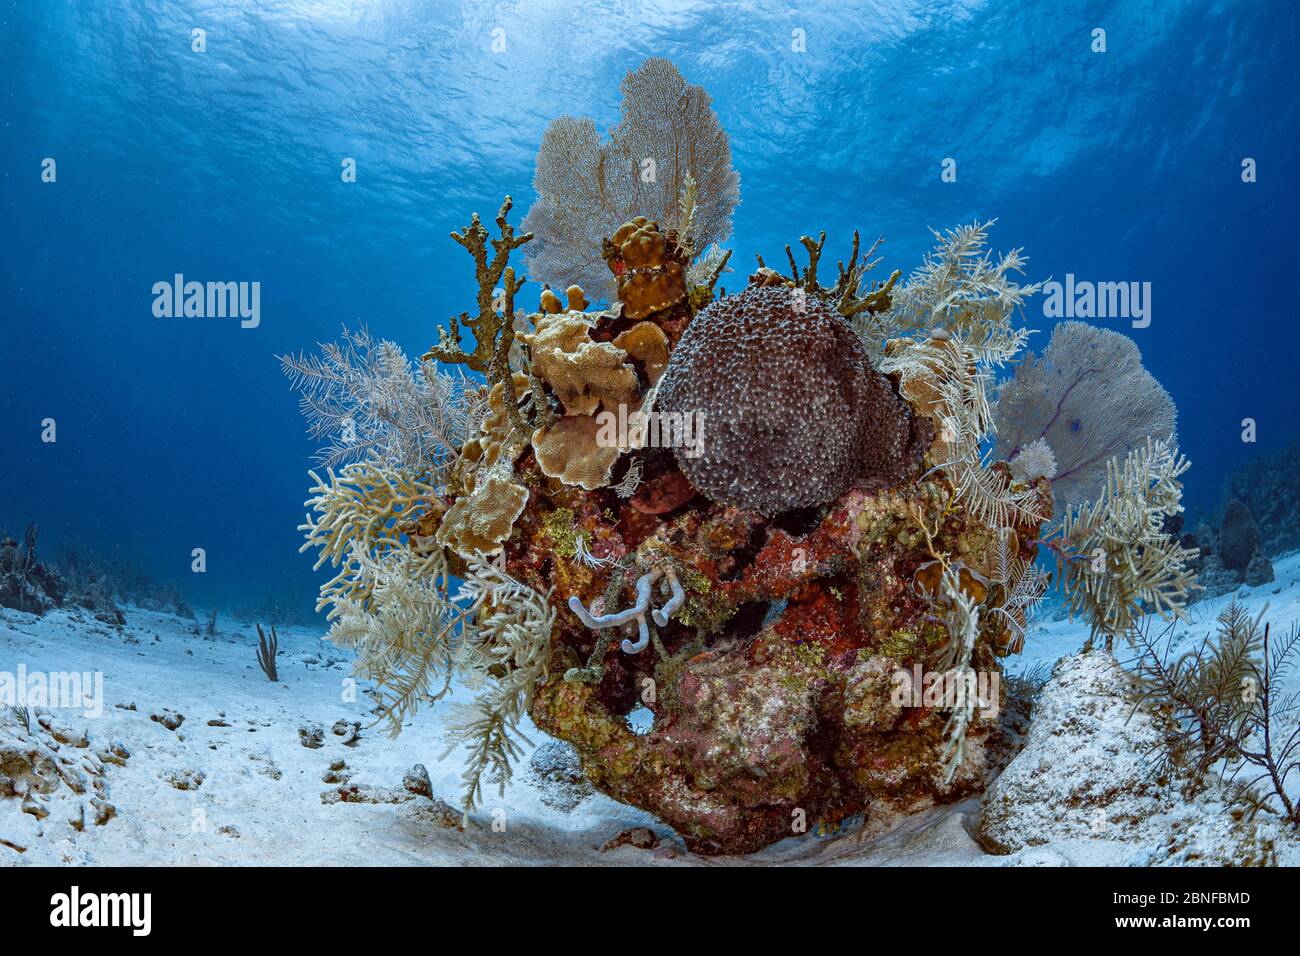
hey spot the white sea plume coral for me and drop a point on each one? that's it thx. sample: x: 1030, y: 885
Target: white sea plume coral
x: 1034, y: 461
x: 959, y: 610
x: 364, y: 397
x: 390, y: 604
x: 631, y: 480
x: 961, y: 617
x: 1115, y: 560
x: 1089, y: 397
x: 584, y: 557
x: 405, y: 632
x: 1024, y: 585
x: 948, y: 327
x: 389, y: 601
x: 944, y: 380
x: 504, y: 652
x: 963, y: 290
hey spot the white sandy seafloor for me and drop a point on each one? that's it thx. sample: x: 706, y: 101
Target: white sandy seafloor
x: 259, y: 800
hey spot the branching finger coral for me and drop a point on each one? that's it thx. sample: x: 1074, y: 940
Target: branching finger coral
x: 854, y: 295
x: 1115, y: 560
x: 493, y: 327
x: 506, y: 638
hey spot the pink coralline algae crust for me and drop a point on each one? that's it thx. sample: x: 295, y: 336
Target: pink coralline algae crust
x: 791, y: 410
x: 757, y: 718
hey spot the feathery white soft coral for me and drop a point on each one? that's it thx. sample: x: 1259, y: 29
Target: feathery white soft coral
x: 364, y: 397
x: 1034, y: 461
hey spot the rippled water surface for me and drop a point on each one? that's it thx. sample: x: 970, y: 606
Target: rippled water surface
x: 1122, y: 166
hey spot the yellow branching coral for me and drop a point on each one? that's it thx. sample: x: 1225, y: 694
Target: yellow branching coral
x: 854, y: 295
x: 360, y: 512
x: 493, y: 328
x: 1116, y: 560
x: 584, y: 374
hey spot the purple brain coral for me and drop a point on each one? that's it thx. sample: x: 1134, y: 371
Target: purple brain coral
x: 789, y: 407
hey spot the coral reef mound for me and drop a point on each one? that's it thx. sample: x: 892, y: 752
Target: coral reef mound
x: 791, y: 411
x: 748, y: 554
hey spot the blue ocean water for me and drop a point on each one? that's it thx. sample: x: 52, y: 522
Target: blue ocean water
x: 224, y: 165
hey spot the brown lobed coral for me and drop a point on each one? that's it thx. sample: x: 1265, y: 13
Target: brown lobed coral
x: 650, y: 266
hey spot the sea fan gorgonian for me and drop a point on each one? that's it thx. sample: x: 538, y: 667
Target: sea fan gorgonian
x: 588, y: 187
x: 1090, y: 399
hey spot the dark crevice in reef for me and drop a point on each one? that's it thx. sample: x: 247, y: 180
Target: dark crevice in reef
x: 747, y: 621
x: 740, y: 559
x: 798, y: 522
x: 617, y: 689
